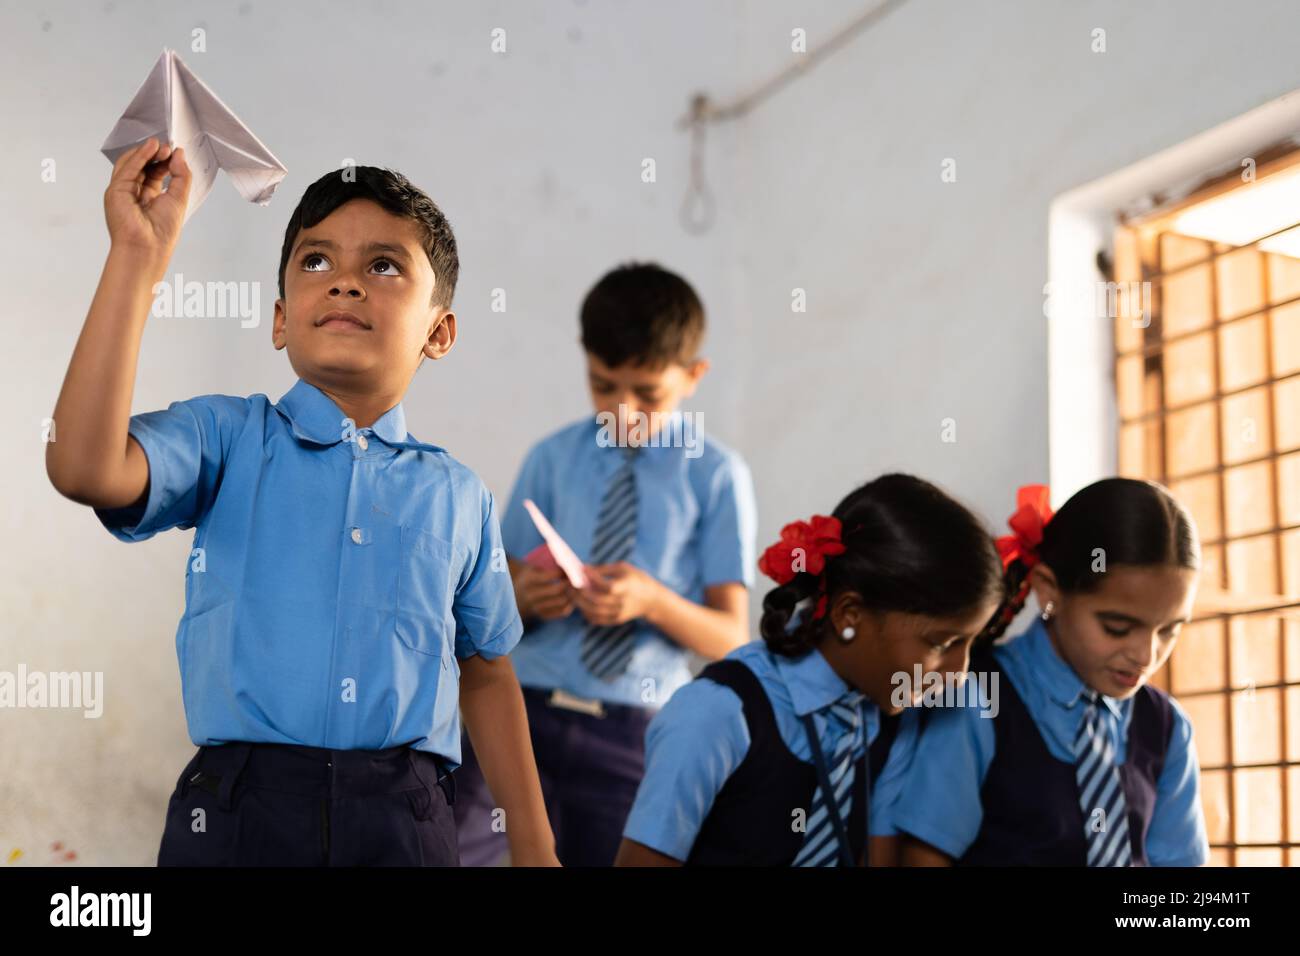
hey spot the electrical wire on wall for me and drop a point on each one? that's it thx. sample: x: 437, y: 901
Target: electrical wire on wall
x: 699, y: 209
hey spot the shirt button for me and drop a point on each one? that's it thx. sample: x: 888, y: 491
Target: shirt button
x: 356, y: 535
x: 361, y: 440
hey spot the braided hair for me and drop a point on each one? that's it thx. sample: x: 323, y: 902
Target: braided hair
x: 908, y: 548
x: 1125, y: 521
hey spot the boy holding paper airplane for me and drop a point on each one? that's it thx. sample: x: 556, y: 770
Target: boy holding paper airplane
x: 664, y: 519
x: 351, y: 592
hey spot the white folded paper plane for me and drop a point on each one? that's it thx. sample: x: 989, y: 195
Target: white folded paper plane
x: 178, y: 108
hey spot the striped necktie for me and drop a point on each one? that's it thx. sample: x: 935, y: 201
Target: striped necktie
x: 606, y: 650
x: 1100, y: 790
x: 821, y: 845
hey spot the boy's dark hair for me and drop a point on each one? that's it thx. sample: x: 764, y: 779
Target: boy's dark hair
x: 393, y: 192
x: 643, y: 314
x: 909, y: 548
x: 1133, y: 522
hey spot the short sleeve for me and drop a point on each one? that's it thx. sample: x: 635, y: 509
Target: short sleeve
x: 887, y: 792
x: 518, y: 532
x: 692, y: 746
x: 487, y: 620
x: 1176, y: 836
x: 940, y: 802
x: 186, y: 446
x: 728, y: 526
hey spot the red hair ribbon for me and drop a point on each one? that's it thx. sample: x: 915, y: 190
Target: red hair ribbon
x: 817, y: 539
x: 1033, y: 511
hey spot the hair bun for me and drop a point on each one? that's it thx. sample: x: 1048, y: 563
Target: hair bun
x: 787, y: 614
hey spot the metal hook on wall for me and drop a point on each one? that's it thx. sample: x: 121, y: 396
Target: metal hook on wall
x: 699, y: 210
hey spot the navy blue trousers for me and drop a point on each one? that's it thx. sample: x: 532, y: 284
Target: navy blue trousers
x: 246, y: 804
x: 590, y: 768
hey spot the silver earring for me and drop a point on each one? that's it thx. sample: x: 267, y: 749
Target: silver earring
x: 848, y: 634
x: 1047, y: 611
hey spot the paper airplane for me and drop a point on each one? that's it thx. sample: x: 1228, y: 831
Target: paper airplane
x: 178, y: 108
x: 569, y: 562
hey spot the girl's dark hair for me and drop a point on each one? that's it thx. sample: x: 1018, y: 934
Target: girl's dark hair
x: 909, y: 548
x: 1123, y: 521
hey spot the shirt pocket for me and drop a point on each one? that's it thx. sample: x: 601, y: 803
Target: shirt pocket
x: 424, y: 593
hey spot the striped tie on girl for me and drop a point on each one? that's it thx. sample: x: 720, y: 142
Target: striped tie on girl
x: 606, y: 650
x: 1100, y: 789
x: 825, y: 833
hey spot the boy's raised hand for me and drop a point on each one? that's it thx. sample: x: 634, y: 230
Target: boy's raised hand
x: 140, y: 214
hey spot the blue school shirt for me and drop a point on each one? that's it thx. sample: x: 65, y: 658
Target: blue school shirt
x: 942, y: 805
x: 336, y: 575
x: 700, y: 738
x: 695, y: 528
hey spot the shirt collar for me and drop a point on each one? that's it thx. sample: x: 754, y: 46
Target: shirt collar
x: 1053, y: 673
x: 315, y: 417
x: 812, y: 683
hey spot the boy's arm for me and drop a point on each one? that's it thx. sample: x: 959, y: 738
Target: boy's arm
x: 92, y: 460
x: 493, y: 708
x: 712, y: 630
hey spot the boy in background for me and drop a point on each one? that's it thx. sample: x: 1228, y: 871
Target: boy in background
x: 664, y: 519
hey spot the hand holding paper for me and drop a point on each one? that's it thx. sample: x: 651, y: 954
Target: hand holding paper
x: 177, y: 107
x: 139, y: 213
x: 560, y: 551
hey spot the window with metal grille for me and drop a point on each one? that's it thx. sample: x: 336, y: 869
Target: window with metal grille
x: 1206, y: 298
